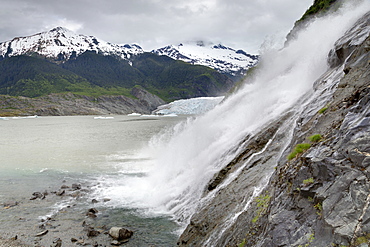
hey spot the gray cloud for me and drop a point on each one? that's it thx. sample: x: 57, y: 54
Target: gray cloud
x: 154, y: 23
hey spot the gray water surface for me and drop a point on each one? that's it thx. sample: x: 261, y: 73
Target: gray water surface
x: 41, y: 154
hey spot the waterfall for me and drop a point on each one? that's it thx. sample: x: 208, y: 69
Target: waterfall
x: 184, y: 158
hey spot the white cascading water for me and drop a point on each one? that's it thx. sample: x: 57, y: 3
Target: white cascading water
x: 181, y: 161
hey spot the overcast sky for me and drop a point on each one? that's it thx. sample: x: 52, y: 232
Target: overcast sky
x: 241, y: 24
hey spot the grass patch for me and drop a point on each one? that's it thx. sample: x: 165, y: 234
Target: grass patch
x: 362, y: 240
x: 262, y: 204
x: 322, y: 110
x: 242, y: 244
x: 311, y: 238
x: 308, y: 181
x: 318, y: 207
x: 315, y: 138
x: 299, y: 148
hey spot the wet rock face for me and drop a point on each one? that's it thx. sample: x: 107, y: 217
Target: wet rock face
x: 334, y: 206
x: 319, y: 198
x: 351, y: 41
x: 333, y: 209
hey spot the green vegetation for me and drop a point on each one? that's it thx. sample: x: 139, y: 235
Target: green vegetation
x: 318, y: 207
x: 315, y: 138
x: 299, y: 148
x: 322, y: 110
x: 308, y: 181
x: 93, y: 74
x: 318, y: 6
x: 311, y: 238
x: 362, y: 240
x: 242, y: 244
x: 262, y: 204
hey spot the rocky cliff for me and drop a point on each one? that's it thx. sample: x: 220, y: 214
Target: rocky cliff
x: 276, y: 192
x: 73, y: 104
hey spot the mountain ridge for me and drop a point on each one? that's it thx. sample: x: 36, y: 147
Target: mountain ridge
x: 217, y: 56
x: 61, y: 44
x: 62, y: 61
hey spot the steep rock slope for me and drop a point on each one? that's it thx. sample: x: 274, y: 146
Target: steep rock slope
x: 318, y: 197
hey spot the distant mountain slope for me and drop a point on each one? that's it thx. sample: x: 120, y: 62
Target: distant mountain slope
x: 60, y: 61
x: 224, y: 59
x: 94, y: 74
x: 172, y: 79
x: 33, y: 77
x: 161, y: 75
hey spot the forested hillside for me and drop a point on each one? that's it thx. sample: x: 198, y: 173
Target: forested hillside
x: 94, y: 74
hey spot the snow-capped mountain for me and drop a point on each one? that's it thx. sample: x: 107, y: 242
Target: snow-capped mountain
x: 62, y: 44
x: 217, y: 56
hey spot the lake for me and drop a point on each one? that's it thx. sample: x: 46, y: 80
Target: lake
x: 44, y: 153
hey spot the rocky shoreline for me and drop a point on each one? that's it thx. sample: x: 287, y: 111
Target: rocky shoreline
x: 69, y: 104
x: 68, y: 225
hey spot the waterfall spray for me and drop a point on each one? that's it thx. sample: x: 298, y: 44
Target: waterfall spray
x: 183, y: 159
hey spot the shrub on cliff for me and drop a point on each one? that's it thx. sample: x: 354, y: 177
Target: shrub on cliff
x: 299, y: 148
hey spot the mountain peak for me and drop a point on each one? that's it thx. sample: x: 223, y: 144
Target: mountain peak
x: 60, y: 29
x: 60, y: 43
x: 217, y: 56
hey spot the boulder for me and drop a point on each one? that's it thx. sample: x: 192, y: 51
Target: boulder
x: 76, y: 186
x: 92, y: 212
x: 57, y: 243
x: 60, y: 192
x: 36, y: 195
x: 119, y: 233
x: 91, y: 232
x: 10, y: 204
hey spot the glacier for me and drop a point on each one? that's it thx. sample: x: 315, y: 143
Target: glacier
x: 193, y: 106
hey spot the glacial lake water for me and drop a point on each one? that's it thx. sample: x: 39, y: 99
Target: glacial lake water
x: 41, y: 154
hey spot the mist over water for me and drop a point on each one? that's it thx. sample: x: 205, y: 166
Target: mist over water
x: 177, y: 164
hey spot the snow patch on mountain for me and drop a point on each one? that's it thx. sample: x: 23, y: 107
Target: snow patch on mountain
x: 216, y: 56
x: 62, y: 44
x: 189, y: 106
